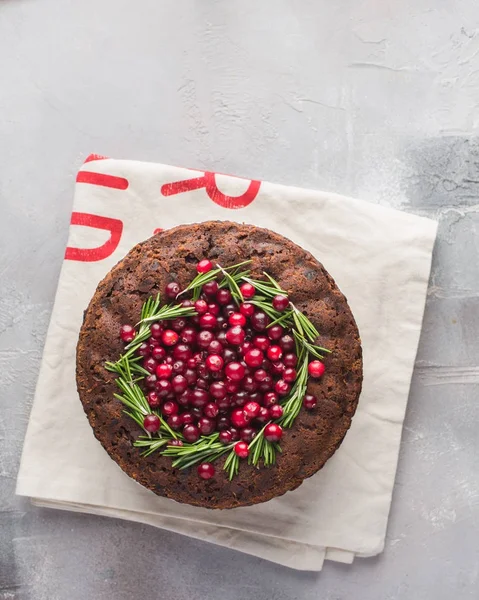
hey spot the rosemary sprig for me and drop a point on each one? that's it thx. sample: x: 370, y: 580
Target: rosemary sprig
x: 293, y: 402
x: 231, y: 282
x: 202, y: 278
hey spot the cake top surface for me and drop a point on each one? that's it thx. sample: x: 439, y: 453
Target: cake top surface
x: 168, y: 263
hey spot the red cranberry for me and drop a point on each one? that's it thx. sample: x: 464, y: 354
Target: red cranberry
x: 150, y: 382
x: 187, y: 304
x: 153, y: 400
x: 201, y: 307
x: 269, y: 399
x: 275, y: 332
x: 152, y: 343
x: 274, y: 353
x: 221, y: 324
x: 235, y: 371
x: 266, y: 384
x: 214, y: 362
x: 260, y: 375
x: 182, y: 352
x: 169, y: 360
x: 213, y: 309
x: 316, y: 368
x: 239, y: 398
x: 215, y: 347
x: 163, y: 388
x: 150, y: 364
x: 175, y: 422
x: 289, y: 375
x: 273, y: 432
x: 221, y: 335
x: 247, y: 290
x: 204, y: 266
x: 172, y: 290
x: 187, y: 418
x: 195, y: 320
x: 276, y: 411
x: 277, y: 368
x: 169, y: 337
x: 156, y: 330
x: 175, y: 443
x: 184, y: 398
x: 127, y: 333
x: 290, y: 360
x: 232, y: 386
x: 164, y: 371
x: 235, y: 436
x: 199, y: 398
x: 211, y: 410
x: 191, y: 376
x: 223, y: 423
x: 249, y: 384
x: 287, y: 342
x: 206, y: 425
x: 206, y: 470
x: 197, y: 412
x: 179, y: 366
x: 259, y: 321
x: 144, y: 350
x: 225, y: 437
x: 210, y: 289
x: 254, y: 358
x: 251, y: 409
x: 229, y: 355
x: 241, y: 449
x: 245, y: 347
x: 280, y: 303
x: 263, y: 416
x: 179, y: 384
x: 282, y: 388
x: 151, y: 423
x: 261, y: 342
x: 169, y: 408
x: 247, y: 434
x: 205, y: 338
x: 247, y: 309
x: 238, y: 418
x: 202, y: 384
x: 158, y: 353
x: 188, y: 335
x: 310, y: 401
x: 178, y: 324
x: 223, y: 297
x: 191, y: 433
x: 235, y: 335
x: 229, y: 309
x: 208, y: 321
x: 218, y: 390
x: 237, y: 319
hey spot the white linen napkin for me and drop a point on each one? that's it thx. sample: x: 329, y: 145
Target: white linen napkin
x: 379, y: 257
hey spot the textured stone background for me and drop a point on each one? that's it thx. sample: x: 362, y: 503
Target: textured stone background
x: 374, y: 98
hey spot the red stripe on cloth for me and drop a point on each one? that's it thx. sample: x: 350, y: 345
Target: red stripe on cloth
x: 114, y: 226
x: 208, y: 181
x: 111, y: 181
x: 94, y: 157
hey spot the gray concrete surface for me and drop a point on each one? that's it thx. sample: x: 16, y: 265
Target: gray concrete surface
x: 374, y: 98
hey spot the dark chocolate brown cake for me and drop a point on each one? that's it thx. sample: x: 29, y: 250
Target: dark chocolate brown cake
x: 172, y: 256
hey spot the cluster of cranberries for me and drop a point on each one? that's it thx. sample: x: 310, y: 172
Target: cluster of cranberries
x: 221, y: 370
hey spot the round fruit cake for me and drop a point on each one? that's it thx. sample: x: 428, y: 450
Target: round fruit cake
x: 219, y: 364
